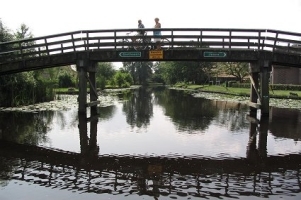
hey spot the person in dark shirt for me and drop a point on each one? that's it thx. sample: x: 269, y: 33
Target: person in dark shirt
x: 141, y: 26
x: 139, y: 33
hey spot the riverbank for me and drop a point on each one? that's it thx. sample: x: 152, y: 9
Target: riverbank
x: 108, y: 96
x: 281, y: 94
x: 278, y: 98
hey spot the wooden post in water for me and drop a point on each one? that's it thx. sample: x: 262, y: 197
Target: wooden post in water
x: 264, y: 84
x: 93, y: 89
x: 81, y: 66
x: 263, y: 137
x: 88, y: 147
x: 94, y: 115
x: 254, y: 94
x: 259, y: 95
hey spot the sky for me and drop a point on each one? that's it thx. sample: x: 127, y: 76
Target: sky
x: 61, y: 16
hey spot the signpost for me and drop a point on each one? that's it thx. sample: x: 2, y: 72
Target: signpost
x: 156, y: 54
x: 208, y: 54
x: 130, y: 54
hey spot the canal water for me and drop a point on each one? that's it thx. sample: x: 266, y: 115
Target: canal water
x: 150, y: 143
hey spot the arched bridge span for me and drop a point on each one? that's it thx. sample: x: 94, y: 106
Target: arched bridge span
x: 260, y: 47
x: 237, y: 45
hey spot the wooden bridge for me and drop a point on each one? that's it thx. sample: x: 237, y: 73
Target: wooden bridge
x: 260, y: 47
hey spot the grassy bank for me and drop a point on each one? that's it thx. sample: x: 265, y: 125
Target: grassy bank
x: 283, y: 94
x: 237, y: 91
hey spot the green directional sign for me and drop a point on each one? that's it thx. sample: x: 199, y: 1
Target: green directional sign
x: 130, y: 54
x: 208, y: 54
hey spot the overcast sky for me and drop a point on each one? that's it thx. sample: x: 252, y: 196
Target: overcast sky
x: 59, y: 16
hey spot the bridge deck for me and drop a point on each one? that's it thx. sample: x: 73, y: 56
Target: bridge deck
x: 212, y: 45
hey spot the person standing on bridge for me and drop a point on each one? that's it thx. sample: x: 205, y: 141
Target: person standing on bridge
x: 157, y: 33
x: 139, y: 32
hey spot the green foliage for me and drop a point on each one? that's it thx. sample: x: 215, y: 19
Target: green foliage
x: 5, y: 33
x: 101, y: 82
x: 104, y: 74
x: 285, y: 87
x: 65, y: 80
x: 288, y: 87
x: 141, y: 72
x: 105, y: 69
x: 183, y: 71
x: 238, y: 84
x: 122, y: 79
x: 236, y: 69
x: 23, y: 33
x: 128, y: 78
x: 22, y: 88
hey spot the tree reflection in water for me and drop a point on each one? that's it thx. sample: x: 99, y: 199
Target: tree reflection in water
x: 25, y: 127
x: 139, y: 108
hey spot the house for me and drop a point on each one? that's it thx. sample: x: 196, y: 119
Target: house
x: 285, y: 75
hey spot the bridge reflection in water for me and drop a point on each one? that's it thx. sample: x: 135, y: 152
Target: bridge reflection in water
x: 257, y: 175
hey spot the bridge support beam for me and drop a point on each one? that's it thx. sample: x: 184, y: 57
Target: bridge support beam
x: 254, y: 94
x: 87, y: 74
x: 85, y: 67
x: 259, y: 95
x: 82, y: 85
x: 264, y: 84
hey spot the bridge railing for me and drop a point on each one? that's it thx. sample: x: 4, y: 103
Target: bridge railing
x: 92, y: 40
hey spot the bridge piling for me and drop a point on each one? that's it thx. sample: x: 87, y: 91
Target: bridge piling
x: 82, y: 94
x: 254, y: 94
x: 264, y: 84
x: 259, y: 94
x: 93, y: 90
x: 85, y: 68
x: 87, y: 73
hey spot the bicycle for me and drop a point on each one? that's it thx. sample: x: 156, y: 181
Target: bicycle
x: 125, y: 42
x: 141, y: 42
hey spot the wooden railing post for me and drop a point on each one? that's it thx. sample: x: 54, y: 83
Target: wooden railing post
x: 46, y: 45
x: 73, y: 44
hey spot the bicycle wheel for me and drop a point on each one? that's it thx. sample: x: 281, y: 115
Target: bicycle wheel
x: 165, y: 43
x: 140, y: 44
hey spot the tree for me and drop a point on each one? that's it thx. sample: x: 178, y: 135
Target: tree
x: 21, y: 88
x: 104, y: 73
x: 183, y: 71
x: 5, y: 35
x: 123, y: 79
x: 141, y: 72
x: 23, y: 33
x: 105, y: 69
x: 144, y: 72
x: 130, y: 67
x: 238, y: 70
x: 65, y: 80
